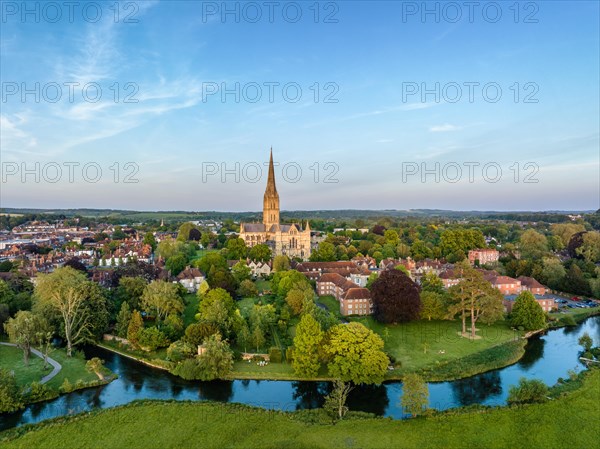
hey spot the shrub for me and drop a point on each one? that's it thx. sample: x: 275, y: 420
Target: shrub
x: 10, y: 398
x: 275, y: 355
x: 527, y: 392
x: 568, y: 320
x: 40, y: 392
x: 189, y: 369
x: 196, y: 333
x: 152, y: 338
x: 180, y: 350
x: 289, y: 354
x: 66, y: 386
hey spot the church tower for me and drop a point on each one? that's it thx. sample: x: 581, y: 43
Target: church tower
x: 271, y: 199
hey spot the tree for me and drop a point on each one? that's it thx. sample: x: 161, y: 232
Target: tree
x: 123, y: 318
x: 590, y: 248
x: 258, y: 337
x: 161, y: 298
x: 432, y: 306
x: 176, y: 264
x: 236, y: 249
x: 586, y: 341
x: 247, y: 289
x: 281, y: 263
x: 95, y: 365
x: 196, y: 333
x: 430, y: 282
x: 221, y: 278
x: 10, y: 396
x: 306, y: 343
x: 325, y: 253
x: 78, y: 303
x: 527, y: 391
x: 218, y: 308
x: 244, y: 337
x: 415, y: 395
x: 533, y: 245
x: 136, y: 324
x: 184, y: 231
x: 241, y: 271
x: 553, y: 272
x: 395, y: 297
x: 356, y: 354
x: 476, y: 297
x: 152, y: 338
x: 24, y: 330
x: 575, y: 282
x: 527, y: 313
x: 296, y: 299
x: 210, y: 260
x: 216, y: 361
x: 335, y: 402
x: 150, y: 240
x: 459, y: 241
x: 260, y: 252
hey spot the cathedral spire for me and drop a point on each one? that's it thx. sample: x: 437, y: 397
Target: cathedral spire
x: 271, y: 198
x: 271, y: 188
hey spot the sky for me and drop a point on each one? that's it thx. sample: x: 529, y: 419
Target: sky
x: 174, y: 105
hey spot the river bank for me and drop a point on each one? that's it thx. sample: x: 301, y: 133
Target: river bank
x: 216, y: 425
x: 549, y: 357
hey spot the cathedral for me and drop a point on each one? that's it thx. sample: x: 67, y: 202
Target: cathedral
x: 289, y: 239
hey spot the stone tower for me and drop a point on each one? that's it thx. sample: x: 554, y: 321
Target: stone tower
x: 271, y: 199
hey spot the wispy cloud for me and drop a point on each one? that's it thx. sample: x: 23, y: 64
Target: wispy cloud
x: 444, y: 128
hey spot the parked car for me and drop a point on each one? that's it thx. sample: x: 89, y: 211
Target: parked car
x: 575, y: 298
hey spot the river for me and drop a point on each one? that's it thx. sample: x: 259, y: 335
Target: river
x: 547, y: 357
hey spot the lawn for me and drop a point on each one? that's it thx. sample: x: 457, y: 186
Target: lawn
x: 423, y: 344
x: 245, y: 370
x: 262, y: 285
x: 245, y: 305
x: 191, y: 308
x: 73, y: 368
x: 332, y: 304
x: 212, y: 425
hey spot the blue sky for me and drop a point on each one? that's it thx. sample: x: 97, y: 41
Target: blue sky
x: 376, y: 135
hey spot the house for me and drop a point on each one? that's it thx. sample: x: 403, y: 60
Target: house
x: 191, y: 278
x: 449, y: 278
x: 506, y: 285
x: 484, y: 256
x: 547, y: 303
x: 260, y: 269
x: 532, y: 285
x: 354, y: 300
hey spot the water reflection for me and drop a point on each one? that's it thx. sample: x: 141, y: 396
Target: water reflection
x: 310, y: 394
x: 477, y: 389
x: 369, y: 398
x: 216, y: 390
x: 533, y: 353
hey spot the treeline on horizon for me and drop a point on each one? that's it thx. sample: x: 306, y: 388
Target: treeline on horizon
x: 320, y: 219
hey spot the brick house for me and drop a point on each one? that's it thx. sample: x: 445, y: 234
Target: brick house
x: 354, y: 300
x: 483, y: 255
x: 546, y: 303
x: 506, y: 285
x: 532, y: 285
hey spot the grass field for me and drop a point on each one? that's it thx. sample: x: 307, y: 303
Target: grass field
x: 332, y: 304
x: 210, y: 425
x: 191, y: 309
x: 73, y: 368
x: 422, y: 344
